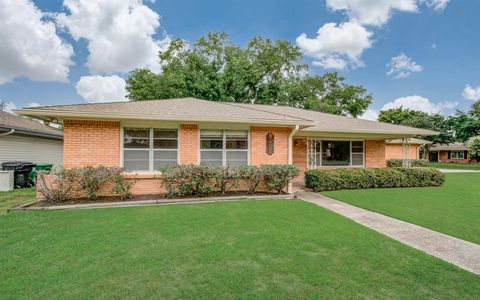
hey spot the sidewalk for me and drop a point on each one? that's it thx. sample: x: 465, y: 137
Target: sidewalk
x: 463, y: 254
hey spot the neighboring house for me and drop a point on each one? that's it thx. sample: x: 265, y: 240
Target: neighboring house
x: 396, y: 148
x: 147, y: 135
x: 23, y: 139
x: 453, y: 153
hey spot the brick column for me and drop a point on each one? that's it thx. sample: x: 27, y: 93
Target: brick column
x: 375, y: 154
x: 188, y: 147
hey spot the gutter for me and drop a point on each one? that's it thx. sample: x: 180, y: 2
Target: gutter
x: 8, y: 133
x: 184, y: 118
x: 31, y: 133
x: 290, y: 152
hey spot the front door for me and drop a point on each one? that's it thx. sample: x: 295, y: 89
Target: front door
x: 433, y: 156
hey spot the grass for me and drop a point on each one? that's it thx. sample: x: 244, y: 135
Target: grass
x: 15, y: 198
x: 250, y: 249
x: 454, y: 166
x: 453, y: 208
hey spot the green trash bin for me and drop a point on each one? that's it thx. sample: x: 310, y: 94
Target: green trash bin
x: 32, y: 176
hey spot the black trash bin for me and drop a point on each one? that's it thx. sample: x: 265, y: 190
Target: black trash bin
x: 22, y: 169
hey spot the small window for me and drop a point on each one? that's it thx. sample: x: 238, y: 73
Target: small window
x: 224, y: 148
x: 149, y: 149
x: 457, y: 155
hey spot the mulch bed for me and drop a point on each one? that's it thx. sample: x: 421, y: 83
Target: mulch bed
x: 110, y: 199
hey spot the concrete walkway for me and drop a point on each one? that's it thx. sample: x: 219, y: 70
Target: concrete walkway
x: 463, y: 254
x: 458, y: 171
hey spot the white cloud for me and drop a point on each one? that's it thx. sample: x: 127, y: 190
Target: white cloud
x: 370, y: 114
x: 30, y: 45
x: 337, y: 46
x: 9, y: 107
x: 416, y: 102
x: 402, y: 66
x: 437, y: 5
x: 33, y: 104
x: 120, y: 34
x: 98, y: 88
x: 378, y: 12
x: 372, y: 12
x: 471, y: 93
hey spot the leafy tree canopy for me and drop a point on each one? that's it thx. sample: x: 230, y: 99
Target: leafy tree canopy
x: 264, y: 72
x: 456, y: 128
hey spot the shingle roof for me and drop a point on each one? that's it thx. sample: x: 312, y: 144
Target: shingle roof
x: 414, y: 141
x: 191, y: 109
x: 333, y: 123
x: 11, y: 121
x: 182, y: 109
x: 451, y: 147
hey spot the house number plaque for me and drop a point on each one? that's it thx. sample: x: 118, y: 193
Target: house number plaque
x: 270, y: 143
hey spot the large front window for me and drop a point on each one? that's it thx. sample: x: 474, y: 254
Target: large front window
x: 339, y: 153
x: 224, y: 147
x: 149, y: 149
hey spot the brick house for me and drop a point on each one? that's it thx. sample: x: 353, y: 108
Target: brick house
x: 452, y: 153
x: 145, y: 136
x: 395, y: 149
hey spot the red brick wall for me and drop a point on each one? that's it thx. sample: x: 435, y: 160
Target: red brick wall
x: 188, y: 147
x: 87, y: 142
x: 299, y: 151
x: 444, y: 158
x: 395, y: 151
x: 258, y: 145
x: 375, y: 154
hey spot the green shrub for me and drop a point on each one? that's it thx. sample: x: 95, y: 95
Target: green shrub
x: 277, y: 177
x: 225, y: 179
x: 252, y: 176
x: 91, y: 179
x: 187, y: 180
x: 398, y: 163
x: 59, y: 185
x: 123, y: 187
x: 337, y: 179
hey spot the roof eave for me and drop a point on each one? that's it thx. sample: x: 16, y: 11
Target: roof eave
x: 59, y: 114
x: 25, y: 132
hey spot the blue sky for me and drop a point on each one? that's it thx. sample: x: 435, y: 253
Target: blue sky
x: 73, y: 52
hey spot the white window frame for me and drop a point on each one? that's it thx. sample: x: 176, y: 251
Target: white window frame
x: 319, y: 162
x: 456, y: 156
x: 224, y: 149
x: 151, y: 150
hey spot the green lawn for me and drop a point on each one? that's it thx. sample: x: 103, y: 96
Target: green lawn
x: 453, y: 208
x: 15, y: 198
x: 455, y: 166
x: 250, y: 249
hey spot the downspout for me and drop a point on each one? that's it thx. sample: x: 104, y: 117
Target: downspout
x: 8, y: 133
x: 290, y: 152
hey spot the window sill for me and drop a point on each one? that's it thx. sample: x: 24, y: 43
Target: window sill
x: 142, y: 175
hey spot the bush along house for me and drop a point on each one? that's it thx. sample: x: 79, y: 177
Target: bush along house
x: 142, y: 137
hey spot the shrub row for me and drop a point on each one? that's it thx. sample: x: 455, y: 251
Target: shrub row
x: 338, y: 179
x: 195, y: 180
x: 65, y: 184
x: 398, y: 163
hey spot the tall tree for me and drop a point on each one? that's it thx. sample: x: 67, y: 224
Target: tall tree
x: 456, y: 128
x: 265, y: 71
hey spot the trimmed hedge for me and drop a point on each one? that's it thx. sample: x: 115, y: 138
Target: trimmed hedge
x: 398, y: 163
x: 338, y: 179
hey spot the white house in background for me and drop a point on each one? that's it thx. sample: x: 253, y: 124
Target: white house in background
x: 23, y: 139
